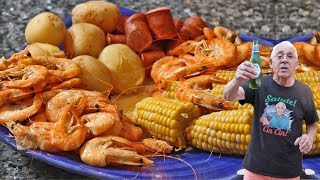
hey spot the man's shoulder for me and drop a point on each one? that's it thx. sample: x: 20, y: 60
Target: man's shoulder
x: 302, y: 85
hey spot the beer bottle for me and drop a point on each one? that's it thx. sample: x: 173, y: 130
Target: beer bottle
x: 255, y: 59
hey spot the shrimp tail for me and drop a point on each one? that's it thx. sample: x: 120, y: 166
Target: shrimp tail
x: 22, y: 135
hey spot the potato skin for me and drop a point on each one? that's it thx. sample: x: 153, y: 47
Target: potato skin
x: 125, y: 65
x: 102, y: 14
x: 95, y: 75
x: 45, y: 27
x: 84, y: 39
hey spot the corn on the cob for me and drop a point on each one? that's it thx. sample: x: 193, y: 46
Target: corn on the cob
x: 222, y: 132
x: 165, y: 118
x: 170, y: 89
x: 308, y: 77
x: 316, y: 93
x: 226, y: 74
x: 218, y: 89
x: 316, y: 144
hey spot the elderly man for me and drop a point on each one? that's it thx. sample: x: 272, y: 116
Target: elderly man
x: 274, y: 152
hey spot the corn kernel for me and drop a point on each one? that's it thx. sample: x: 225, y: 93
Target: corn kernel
x: 248, y: 138
x: 210, y: 140
x: 247, y: 129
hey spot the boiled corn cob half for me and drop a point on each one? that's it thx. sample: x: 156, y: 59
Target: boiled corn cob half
x: 166, y: 118
x: 170, y: 89
x: 222, y: 132
x: 308, y: 77
x: 226, y: 74
x: 316, y: 93
x: 316, y: 144
x: 218, y: 89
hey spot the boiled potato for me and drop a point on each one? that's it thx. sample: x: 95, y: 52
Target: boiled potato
x: 125, y: 66
x: 84, y: 39
x: 44, y: 49
x: 94, y: 74
x: 102, y: 14
x: 45, y: 27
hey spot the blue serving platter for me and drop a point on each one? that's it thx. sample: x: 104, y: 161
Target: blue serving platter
x: 193, y: 164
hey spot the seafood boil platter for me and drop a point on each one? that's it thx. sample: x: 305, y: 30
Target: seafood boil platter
x: 126, y: 107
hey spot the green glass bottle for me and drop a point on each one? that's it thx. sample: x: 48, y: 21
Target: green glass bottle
x: 256, y: 60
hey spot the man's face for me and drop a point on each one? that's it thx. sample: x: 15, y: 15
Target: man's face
x: 284, y: 62
x: 280, y: 109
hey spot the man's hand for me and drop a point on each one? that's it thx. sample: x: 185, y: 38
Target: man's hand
x: 245, y: 71
x: 305, y: 143
x: 233, y: 91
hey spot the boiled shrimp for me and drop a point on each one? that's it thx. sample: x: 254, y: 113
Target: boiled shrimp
x: 3, y: 65
x: 315, y: 38
x: 197, y: 91
x: 158, y: 146
x: 158, y: 65
x: 20, y: 55
x: 98, y: 102
x: 24, y: 136
x: 42, y: 60
x: 69, y: 132
x: 182, y: 67
x: 47, y: 95
x: 117, y: 127
x: 66, y: 68
x: 33, y: 74
x: 186, y: 47
x: 11, y: 72
x: 13, y: 95
x: 209, y: 33
x: 225, y: 33
x: 68, y: 84
x: 129, y: 130
x: 60, y: 101
x: 17, y: 94
x: 38, y: 117
x: 20, y: 111
x: 302, y: 58
x: 219, y: 52
x: 181, y: 70
x: 61, y: 68
x: 312, y: 53
x: 243, y: 53
x: 264, y: 50
x: 98, y: 122
x: 162, y: 65
x: 317, y: 52
x: 111, y: 150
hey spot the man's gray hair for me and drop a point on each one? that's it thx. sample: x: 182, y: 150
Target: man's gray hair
x: 287, y: 43
x: 281, y: 103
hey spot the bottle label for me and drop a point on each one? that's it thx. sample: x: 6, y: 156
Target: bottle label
x: 255, y: 48
x: 257, y: 69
